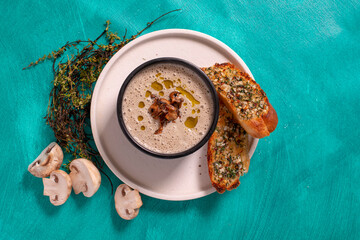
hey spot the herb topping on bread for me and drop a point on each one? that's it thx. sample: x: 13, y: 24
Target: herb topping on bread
x: 244, y: 98
x: 228, y: 157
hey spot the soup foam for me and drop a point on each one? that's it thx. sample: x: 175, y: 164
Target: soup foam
x: 161, y: 79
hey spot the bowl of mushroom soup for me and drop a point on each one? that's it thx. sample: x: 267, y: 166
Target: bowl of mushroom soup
x: 167, y: 107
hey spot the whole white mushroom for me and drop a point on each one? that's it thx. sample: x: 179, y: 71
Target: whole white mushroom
x: 49, y: 160
x: 85, y: 177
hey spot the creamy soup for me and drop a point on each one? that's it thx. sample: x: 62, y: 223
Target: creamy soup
x: 196, y: 112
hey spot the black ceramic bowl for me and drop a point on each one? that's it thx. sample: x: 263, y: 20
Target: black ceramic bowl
x: 196, y: 70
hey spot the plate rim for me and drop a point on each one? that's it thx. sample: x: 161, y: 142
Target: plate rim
x: 97, y: 88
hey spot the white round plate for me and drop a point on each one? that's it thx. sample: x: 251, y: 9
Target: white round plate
x: 169, y: 179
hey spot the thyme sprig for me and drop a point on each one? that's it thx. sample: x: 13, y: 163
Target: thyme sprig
x: 76, y: 67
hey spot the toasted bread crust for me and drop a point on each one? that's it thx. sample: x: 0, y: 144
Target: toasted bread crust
x: 247, y: 101
x: 270, y: 119
x: 227, y: 156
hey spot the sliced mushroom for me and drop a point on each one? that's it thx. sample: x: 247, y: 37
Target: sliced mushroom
x: 155, y: 110
x: 163, y: 102
x: 85, y: 177
x: 175, y: 99
x: 172, y: 113
x: 57, y: 187
x: 127, y: 202
x: 49, y: 160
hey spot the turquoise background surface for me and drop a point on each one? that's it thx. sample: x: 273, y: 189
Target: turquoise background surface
x: 304, y: 180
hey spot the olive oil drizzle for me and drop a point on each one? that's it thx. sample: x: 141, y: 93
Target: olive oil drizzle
x: 157, y: 86
x: 168, y: 84
x: 191, y: 122
x: 188, y: 95
x: 148, y: 94
x: 141, y: 104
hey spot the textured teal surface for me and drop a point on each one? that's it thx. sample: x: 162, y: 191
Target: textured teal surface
x: 304, y: 180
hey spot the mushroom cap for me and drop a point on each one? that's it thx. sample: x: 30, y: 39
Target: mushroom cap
x: 127, y: 202
x: 57, y: 187
x: 85, y: 177
x: 49, y: 160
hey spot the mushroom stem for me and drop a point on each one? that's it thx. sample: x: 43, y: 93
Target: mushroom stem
x: 83, y: 188
x: 50, y: 187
